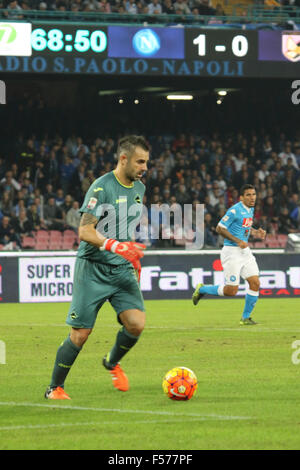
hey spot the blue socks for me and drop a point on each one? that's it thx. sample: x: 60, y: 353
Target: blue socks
x: 212, y: 290
x: 250, y: 301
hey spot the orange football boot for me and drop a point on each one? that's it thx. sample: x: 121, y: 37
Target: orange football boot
x: 119, y: 378
x: 57, y: 393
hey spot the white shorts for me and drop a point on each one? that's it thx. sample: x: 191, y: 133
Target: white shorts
x: 238, y: 262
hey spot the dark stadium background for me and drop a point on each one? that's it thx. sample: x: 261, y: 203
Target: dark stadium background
x: 256, y: 118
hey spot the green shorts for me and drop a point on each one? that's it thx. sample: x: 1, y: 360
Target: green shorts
x: 94, y: 283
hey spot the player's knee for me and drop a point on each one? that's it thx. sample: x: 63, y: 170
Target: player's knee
x: 133, y: 321
x: 136, y: 328
x: 135, y: 324
x: 254, y: 284
x: 230, y: 291
x: 80, y: 335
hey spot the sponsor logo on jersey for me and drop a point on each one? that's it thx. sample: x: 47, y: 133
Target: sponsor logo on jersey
x: 92, y: 202
x: 247, y: 222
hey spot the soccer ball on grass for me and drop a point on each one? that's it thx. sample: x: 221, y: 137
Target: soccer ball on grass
x: 180, y: 383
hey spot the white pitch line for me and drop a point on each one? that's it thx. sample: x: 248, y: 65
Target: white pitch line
x: 102, y: 423
x: 116, y: 410
x: 256, y: 329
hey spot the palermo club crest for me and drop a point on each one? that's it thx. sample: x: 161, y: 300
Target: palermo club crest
x: 291, y: 45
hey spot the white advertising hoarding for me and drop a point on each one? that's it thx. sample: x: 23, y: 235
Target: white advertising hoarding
x: 46, y: 279
x: 15, y: 39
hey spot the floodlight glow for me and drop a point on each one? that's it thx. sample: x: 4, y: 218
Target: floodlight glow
x: 180, y: 97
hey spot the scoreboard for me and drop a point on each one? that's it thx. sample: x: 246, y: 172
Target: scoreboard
x: 137, y: 50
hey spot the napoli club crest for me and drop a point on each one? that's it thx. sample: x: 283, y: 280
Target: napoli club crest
x: 291, y: 45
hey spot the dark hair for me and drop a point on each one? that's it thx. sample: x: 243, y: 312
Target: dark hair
x: 128, y: 144
x: 245, y: 187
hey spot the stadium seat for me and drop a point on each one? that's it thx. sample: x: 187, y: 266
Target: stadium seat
x: 69, y: 234
x: 41, y: 245
x: 54, y: 245
x: 273, y: 243
x: 28, y: 242
x: 67, y: 244
x: 42, y: 235
x: 282, y: 240
x: 55, y: 235
x: 271, y: 237
x: 260, y: 245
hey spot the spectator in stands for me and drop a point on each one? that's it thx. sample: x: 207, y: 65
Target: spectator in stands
x: 168, y: 7
x: 9, y: 184
x: 294, y: 206
x: 181, y: 7
x: 204, y: 7
x: 7, y: 233
x: 48, y: 192
x: 285, y: 223
x: 104, y: 6
x: 34, y: 218
x: 73, y: 216
x: 66, y: 173
x: 181, y: 194
x: 20, y: 206
x: 210, y: 235
x: 131, y: 7
x: 27, y: 157
x: 155, y: 7
x: 220, y: 10
x: 214, y: 195
x: 14, y: 11
x: 39, y: 202
x: 22, y: 225
x: 51, y: 166
x: 263, y: 172
x: 60, y: 197
x: 6, y: 204
x: 67, y: 204
x: 286, y: 154
x: 87, y: 181
x: 297, y: 155
x: 53, y: 215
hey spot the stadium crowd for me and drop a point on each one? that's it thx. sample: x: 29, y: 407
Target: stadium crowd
x: 193, y: 8
x: 145, y: 7
x: 43, y: 186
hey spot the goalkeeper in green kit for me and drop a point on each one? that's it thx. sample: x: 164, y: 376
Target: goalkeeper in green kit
x: 107, y: 267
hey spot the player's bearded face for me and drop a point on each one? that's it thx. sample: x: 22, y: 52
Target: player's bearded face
x: 136, y: 165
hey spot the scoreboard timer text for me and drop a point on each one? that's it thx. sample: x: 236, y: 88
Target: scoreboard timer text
x: 135, y: 50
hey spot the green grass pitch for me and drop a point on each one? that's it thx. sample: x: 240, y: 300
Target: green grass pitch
x: 247, y: 398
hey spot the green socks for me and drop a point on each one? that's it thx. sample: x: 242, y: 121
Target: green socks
x: 68, y: 351
x: 124, y: 342
x: 65, y: 357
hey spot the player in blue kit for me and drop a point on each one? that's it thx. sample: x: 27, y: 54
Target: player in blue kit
x: 236, y: 257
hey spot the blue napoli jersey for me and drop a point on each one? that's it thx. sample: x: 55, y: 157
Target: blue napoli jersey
x: 238, y: 221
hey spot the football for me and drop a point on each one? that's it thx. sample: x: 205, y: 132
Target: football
x: 180, y: 383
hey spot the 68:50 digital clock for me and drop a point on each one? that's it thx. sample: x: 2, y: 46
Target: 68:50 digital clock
x: 73, y: 39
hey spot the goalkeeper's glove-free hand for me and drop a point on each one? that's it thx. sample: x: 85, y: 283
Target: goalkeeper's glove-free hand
x: 131, y: 251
